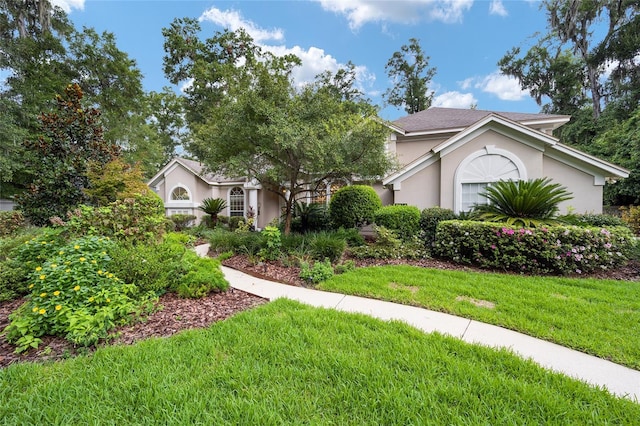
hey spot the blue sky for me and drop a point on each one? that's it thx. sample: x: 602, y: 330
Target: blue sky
x: 464, y: 39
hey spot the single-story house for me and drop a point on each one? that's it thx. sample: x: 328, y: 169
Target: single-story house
x: 447, y: 156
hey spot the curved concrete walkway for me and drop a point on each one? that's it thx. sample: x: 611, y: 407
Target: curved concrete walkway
x: 619, y: 380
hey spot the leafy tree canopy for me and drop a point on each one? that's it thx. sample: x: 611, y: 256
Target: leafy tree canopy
x: 249, y: 119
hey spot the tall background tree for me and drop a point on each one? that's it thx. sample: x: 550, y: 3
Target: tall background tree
x: 410, y: 75
x: 248, y: 118
x: 40, y: 54
x: 588, y: 66
x: 71, y: 139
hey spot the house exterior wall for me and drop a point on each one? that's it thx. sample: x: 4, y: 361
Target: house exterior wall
x: 422, y: 189
x: 587, y: 195
x: 408, y: 150
x: 269, y: 208
x: 386, y: 195
x: 531, y: 157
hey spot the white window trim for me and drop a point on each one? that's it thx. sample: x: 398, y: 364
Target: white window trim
x: 244, y: 201
x: 487, y: 150
x: 186, y: 188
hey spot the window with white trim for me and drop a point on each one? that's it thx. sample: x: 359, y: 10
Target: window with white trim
x: 479, y: 170
x: 180, y: 193
x: 236, y: 201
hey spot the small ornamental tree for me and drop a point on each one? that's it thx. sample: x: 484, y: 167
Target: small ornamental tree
x: 354, y: 206
x: 72, y: 137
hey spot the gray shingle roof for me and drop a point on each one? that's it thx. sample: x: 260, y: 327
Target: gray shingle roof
x: 200, y: 170
x: 453, y: 118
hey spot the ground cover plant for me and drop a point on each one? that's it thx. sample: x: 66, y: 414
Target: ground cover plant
x: 286, y: 363
x: 600, y: 317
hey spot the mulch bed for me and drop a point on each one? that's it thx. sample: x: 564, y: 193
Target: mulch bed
x: 175, y: 314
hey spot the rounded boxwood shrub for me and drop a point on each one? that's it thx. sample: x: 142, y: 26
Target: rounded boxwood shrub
x: 404, y: 220
x: 429, y: 220
x: 353, y: 206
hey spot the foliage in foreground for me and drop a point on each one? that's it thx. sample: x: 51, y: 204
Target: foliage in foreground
x: 353, y: 206
x: 403, y: 220
x: 287, y: 363
x: 600, y: 317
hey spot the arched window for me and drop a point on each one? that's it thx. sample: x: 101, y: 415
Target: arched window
x: 180, y: 193
x: 236, y: 201
x: 479, y: 170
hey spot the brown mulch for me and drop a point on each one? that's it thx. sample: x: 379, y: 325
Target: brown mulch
x: 175, y: 314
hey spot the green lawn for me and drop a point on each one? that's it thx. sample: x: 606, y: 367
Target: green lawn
x: 600, y: 317
x: 287, y: 363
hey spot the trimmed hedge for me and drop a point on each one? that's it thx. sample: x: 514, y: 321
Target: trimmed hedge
x: 353, y: 206
x: 552, y: 250
x: 403, y: 220
x: 429, y: 220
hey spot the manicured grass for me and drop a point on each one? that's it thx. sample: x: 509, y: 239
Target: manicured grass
x: 287, y: 363
x: 600, y: 317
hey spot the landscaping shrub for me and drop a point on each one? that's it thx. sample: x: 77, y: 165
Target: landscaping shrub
x: 388, y: 246
x: 203, y: 276
x: 248, y: 243
x: 403, y: 220
x: 11, y: 222
x: 353, y: 206
x: 182, y: 221
x: 631, y: 216
x: 587, y: 219
x: 311, y: 217
x: 429, y: 220
x: 272, y: 244
x: 297, y: 244
x: 73, y: 294
x: 139, y: 219
x: 555, y: 250
x: 351, y: 235
x: 320, y: 271
x: 327, y: 245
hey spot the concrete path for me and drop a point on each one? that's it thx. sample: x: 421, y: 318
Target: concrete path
x: 619, y: 380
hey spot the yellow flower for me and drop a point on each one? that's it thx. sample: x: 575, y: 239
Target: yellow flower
x: 94, y: 261
x: 104, y: 253
x: 35, y: 309
x: 42, y: 277
x: 76, y: 288
x: 56, y: 293
x: 31, y: 286
x: 44, y: 243
x: 67, y: 270
x: 54, y: 266
x: 108, y: 300
x: 42, y: 311
x: 82, y: 259
x: 43, y: 294
x: 77, y: 247
x: 100, y: 272
x: 39, y: 268
x: 61, y: 252
x: 58, y: 307
x: 109, y: 275
x: 91, y: 299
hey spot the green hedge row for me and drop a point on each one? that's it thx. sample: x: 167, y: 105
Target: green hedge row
x: 552, y: 250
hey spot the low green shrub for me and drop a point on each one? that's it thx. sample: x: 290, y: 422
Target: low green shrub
x: 429, y: 220
x: 403, y: 220
x: 320, y: 271
x: 327, y: 245
x: 271, y: 249
x: 631, y: 216
x: 203, y: 276
x: 182, y: 221
x: 353, y: 206
x: 312, y: 217
x: 73, y: 294
x: 552, y: 250
x: 11, y: 222
x: 344, y: 267
x: 351, y: 235
x: 248, y: 243
x: 297, y: 244
x: 140, y: 220
x: 598, y: 220
x: 388, y: 246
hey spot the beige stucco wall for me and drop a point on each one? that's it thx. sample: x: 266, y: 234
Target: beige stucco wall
x: 386, y: 195
x: 407, y: 150
x: 422, y: 189
x: 587, y: 197
x: 531, y: 157
x: 269, y: 208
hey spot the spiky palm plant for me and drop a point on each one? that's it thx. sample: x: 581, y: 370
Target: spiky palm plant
x: 213, y: 207
x: 530, y: 203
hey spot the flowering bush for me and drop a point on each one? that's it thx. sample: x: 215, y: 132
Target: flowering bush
x: 555, y: 250
x: 73, y: 294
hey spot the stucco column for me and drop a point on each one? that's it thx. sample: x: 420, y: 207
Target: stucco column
x: 252, y: 188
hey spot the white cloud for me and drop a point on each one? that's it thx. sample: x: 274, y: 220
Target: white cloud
x: 497, y: 8
x: 454, y: 100
x: 504, y: 87
x: 67, y: 5
x: 466, y: 83
x: 360, y: 12
x: 232, y: 20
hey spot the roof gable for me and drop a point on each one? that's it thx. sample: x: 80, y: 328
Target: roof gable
x: 194, y: 167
